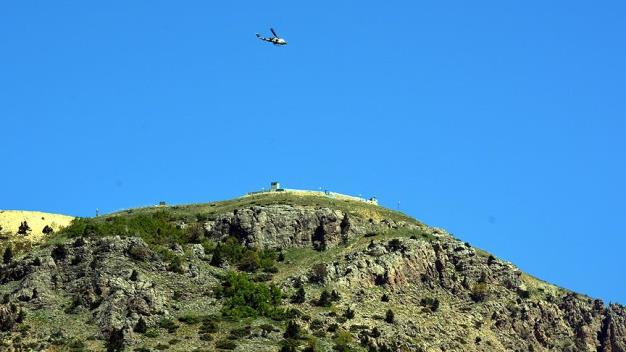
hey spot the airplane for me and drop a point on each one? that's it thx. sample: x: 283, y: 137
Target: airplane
x: 276, y: 40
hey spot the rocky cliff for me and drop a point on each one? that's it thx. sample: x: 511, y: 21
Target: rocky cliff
x: 330, y: 276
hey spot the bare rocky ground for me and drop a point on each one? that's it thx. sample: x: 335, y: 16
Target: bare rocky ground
x: 121, y: 292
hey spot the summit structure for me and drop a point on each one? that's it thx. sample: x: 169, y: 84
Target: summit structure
x: 276, y: 188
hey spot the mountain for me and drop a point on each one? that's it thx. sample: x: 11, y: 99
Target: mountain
x: 280, y: 271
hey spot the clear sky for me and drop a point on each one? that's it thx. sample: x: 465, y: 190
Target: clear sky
x: 501, y: 121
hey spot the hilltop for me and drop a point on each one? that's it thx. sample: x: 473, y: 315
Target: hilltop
x: 284, y: 272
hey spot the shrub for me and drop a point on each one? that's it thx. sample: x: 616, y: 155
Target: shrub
x: 479, y: 292
x: 47, y: 230
x: 24, y: 229
x: 523, y: 293
x: 176, y: 264
x: 173, y: 341
x: 324, y: 300
x: 318, y: 273
x: 229, y: 250
x: 390, y: 317
x: 299, y: 296
x: 226, y: 344
x: 152, y: 333
x: 385, y: 298
x: 250, y: 261
x: 59, y: 252
x: 191, y: 318
x: 342, y: 341
x: 349, y: 314
x: 139, y: 252
x: 208, y: 327
x: 168, y: 324
x: 431, y: 303
x: 115, y: 342
x: 7, y: 257
x: 394, y: 245
x: 289, y: 345
x: 196, y: 233
x: 266, y: 329
x: 240, y: 333
x: 141, y: 326
x: 292, y: 331
x: 268, y: 259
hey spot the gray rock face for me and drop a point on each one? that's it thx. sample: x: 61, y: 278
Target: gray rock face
x: 451, y: 271
x: 286, y: 226
x: 95, y: 275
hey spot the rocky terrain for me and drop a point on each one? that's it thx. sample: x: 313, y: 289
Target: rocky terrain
x: 280, y: 273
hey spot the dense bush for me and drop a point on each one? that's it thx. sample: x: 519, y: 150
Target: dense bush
x: 245, y: 298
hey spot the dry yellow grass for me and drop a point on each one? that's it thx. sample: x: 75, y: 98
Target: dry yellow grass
x: 10, y: 221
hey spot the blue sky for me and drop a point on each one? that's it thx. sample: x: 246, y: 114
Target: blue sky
x: 502, y: 122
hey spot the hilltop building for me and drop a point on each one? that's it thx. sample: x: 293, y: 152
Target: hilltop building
x: 275, y: 188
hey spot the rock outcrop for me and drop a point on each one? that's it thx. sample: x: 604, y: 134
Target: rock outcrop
x: 287, y: 226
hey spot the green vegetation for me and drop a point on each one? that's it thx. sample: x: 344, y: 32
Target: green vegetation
x: 245, y: 298
x: 154, y: 229
x: 479, y: 292
x: 7, y: 257
x: 210, y: 211
x: 246, y: 259
x: 431, y: 303
x: 300, y: 296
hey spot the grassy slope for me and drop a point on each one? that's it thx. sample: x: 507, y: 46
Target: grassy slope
x: 10, y: 221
